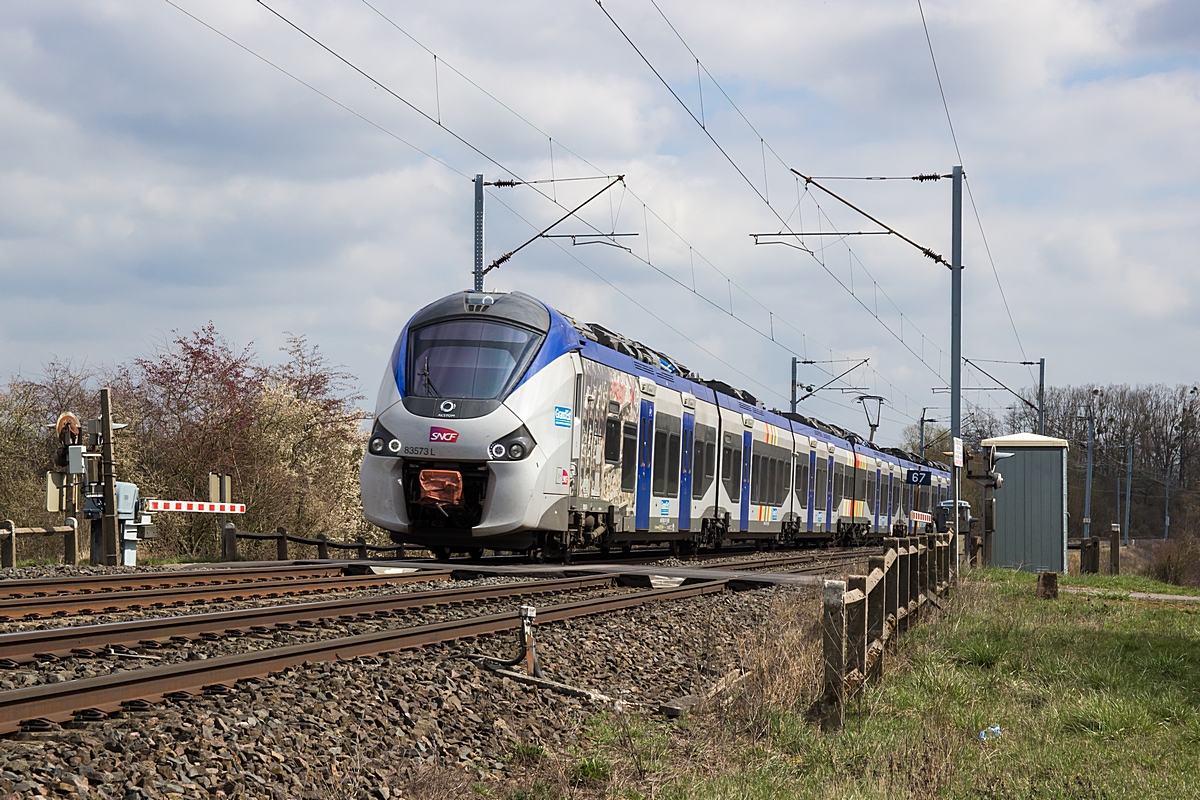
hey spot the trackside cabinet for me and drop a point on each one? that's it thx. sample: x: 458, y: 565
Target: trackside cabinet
x: 1031, y: 506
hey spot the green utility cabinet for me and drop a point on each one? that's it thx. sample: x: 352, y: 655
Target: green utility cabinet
x: 1031, y: 506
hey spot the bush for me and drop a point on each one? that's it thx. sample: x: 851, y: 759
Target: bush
x: 1176, y: 561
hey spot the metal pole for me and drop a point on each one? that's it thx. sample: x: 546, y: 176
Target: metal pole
x: 1042, y: 396
x: 923, y: 410
x: 793, y: 384
x: 1087, y: 492
x: 1167, y: 504
x: 479, y: 233
x: 956, y: 343
x: 110, y: 543
x: 1128, y: 487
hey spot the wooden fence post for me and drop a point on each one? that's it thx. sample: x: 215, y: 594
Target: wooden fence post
x: 281, y: 547
x: 833, y: 625
x: 362, y: 548
x: 903, y: 583
x: 876, y: 611
x: 229, y: 542
x: 8, y: 545
x: 322, y: 546
x: 71, y: 543
x: 914, y: 580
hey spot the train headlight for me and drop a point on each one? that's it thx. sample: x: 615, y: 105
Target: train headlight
x: 383, y: 443
x: 514, y: 447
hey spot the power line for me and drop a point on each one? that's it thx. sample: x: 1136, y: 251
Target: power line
x: 970, y: 195
x: 740, y: 172
x: 649, y: 210
x: 443, y: 163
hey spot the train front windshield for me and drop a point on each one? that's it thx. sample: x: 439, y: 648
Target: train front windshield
x: 468, y: 359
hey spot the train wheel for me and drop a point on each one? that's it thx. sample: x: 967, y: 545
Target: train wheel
x: 674, y: 548
x: 627, y: 549
x: 604, y: 550
x: 441, y: 553
x: 476, y: 553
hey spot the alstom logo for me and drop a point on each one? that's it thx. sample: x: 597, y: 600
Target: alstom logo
x: 442, y: 435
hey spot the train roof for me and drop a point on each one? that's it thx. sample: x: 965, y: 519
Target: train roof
x: 564, y: 334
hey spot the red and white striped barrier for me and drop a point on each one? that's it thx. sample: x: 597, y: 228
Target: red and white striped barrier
x: 191, y: 505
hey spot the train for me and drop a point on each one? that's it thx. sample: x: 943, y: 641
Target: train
x: 503, y: 424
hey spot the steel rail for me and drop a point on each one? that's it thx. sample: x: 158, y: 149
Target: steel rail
x: 104, y: 602
x: 833, y: 558
x: 93, y: 698
x: 45, y: 587
x: 44, y: 645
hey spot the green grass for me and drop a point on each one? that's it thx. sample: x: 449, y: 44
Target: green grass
x: 1096, y: 698
x: 1128, y: 583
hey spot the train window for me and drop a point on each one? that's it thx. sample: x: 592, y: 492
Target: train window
x: 785, y: 475
x: 612, y: 440
x: 666, y: 455
x: 629, y: 440
x: 870, y: 493
x: 698, y: 471
x: 755, y: 477
x: 475, y: 359
x: 839, y: 484
x: 822, y: 487
x: 731, y: 468
x: 895, y: 496
x: 802, y: 480
x: 704, y: 460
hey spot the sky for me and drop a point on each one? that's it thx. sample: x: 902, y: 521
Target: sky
x: 306, y: 167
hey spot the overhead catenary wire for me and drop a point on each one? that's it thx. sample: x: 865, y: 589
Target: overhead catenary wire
x: 970, y: 195
x: 743, y: 174
x: 646, y: 208
x: 450, y: 167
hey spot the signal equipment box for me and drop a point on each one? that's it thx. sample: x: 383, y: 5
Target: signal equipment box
x: 1031, y: 506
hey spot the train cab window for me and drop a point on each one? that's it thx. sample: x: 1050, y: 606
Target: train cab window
x: 612, y: 434
x: 475, y: 359
x: 629, y: 442
x: 731, y: 467
x: 666, y: 455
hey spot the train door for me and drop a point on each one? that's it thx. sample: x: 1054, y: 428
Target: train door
x: 877, y: 500
x: 685, y: 470
x: 747, y: 449
x: 812, y: 471
x: 645, y: 440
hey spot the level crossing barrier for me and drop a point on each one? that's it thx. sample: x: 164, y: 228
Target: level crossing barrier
x: 9, y: 533
x: 231, y: 535
x: 862, y: 616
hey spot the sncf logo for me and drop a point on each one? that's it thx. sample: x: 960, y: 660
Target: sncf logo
x: 442, y: 435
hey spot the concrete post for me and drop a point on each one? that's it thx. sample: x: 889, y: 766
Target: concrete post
x: 322, y: 546
x: 833, y: 625
x: 229, y: 542
x: 1114, y: 550
x: 856, y: 626
x: 281, y: 544
x: 8, y: 544
x: 71, y: 543
x: 876, y: 611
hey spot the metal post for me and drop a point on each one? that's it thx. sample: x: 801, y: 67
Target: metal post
x: 1042, y: 396
x: 1128, y: 487
x: 71, y: 543
x: 1087, y: 491
x: 1167, y: 504
x: 1114, y: 550
x: 479, y: 233
x: 281, y: 544
x: 8, y: 544
x: 229, y: 542
x: 793, y: 384
x: 956, y: 343
x: 110, y: 543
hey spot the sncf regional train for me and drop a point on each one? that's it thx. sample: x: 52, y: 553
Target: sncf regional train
x: 503, y: 424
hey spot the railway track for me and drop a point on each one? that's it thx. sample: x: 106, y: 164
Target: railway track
x: 86, y: 584
x: 44, y: 645
x: 37, y: 707
x: 15, y: 608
